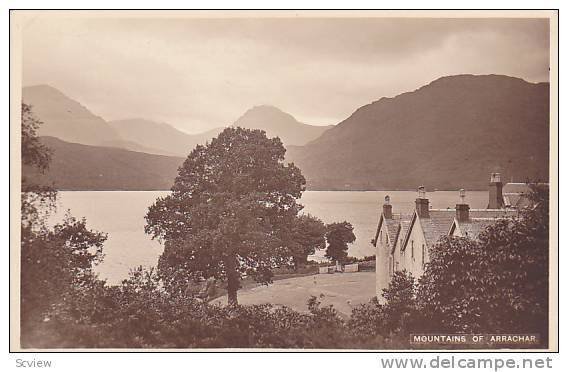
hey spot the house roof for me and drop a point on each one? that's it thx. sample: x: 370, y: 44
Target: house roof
x: 479, y: 219
x: 440, y: 221
x: 512, y: 199
x: 405, y: 225
x: 517, y: 188
x: 474, y: 226
x: 517, y: 200
x: 436, y: 225
x: 393, y: 226
x: 492, y: 213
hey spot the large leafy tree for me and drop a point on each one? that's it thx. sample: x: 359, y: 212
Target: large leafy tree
x: 232, y: 206
x: 338, y: 235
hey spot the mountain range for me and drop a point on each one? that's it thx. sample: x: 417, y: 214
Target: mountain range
x: 448, y: 134
x: 68, y: 120
x: 164, y: 138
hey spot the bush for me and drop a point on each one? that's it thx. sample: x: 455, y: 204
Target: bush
x: 497, y: 284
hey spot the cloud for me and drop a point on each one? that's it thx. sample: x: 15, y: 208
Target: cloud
x: 202, y: 73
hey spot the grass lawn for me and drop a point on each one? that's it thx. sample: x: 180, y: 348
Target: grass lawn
x: 342, y: 290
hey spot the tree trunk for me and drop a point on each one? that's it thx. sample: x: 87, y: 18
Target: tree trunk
x: 233, y: 282
x: 295, y: 263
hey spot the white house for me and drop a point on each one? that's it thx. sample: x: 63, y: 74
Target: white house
x: 404, y: 242
x: 387, y: 238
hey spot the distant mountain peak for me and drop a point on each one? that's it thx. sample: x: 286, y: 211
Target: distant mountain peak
x: 277, y: 123
x: 265, y: 111
x: 460, y: 82
x: 477, y: 81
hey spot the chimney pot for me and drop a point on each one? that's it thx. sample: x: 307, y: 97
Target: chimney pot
x: 462, y: 209
x: 387, y: 208
x: 422, y: 204
x: 496, y: 192
x: 495, y: 177
x: 421, y: 192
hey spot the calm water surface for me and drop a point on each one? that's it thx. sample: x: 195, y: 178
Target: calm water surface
x: 120, y: 214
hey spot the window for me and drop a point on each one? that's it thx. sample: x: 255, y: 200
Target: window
x: 412, y: 249
x: 423, y: 255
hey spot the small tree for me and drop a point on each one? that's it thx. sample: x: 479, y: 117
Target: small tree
x: 400, y: 307
x: 231, y: 207
x: 338, y: 235
x: 37, y: 200
x: 396, y: 315
x: 451, y: 287
x: 308, y: 235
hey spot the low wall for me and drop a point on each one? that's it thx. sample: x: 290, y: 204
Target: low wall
x: 353, y: 268
x: 327, y: 269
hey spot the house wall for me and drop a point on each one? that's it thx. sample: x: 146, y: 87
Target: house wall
x: 413, y: 263
x: 455, y: 231
x: 397, y: 261
x: 382, y: 260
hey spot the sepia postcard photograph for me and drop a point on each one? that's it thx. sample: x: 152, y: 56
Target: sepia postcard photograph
x: 283, y: 180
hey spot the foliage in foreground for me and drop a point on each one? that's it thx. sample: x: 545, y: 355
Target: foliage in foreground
x: 57, y: 260
x: 496, y: 284
x: 465, y: 289
x: 139, y: 314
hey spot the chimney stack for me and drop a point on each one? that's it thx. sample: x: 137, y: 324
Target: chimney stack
x: 462, y: 209
x: 387, y: 208
x: 495, y: 192
x: 422, y: 204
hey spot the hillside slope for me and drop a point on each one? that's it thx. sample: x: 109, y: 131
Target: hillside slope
x: 84, y: 167
x: 448, y: 134
x: 66, y: 118
x: 162, y: 137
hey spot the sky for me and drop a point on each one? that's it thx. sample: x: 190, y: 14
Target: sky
x: 197, y: 73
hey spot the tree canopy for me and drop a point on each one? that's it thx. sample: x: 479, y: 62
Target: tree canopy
x: 232, y: 206
x: 308, y: 235
x: 338, y: 235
